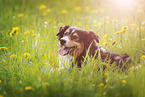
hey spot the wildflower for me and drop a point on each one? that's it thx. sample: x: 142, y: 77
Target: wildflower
x: 105, y: 36
x: 101, y: 84
x: 78, y: 8
x: 110, y: 87
x: 12, y: 56
x: 28, y: 32
x: 0, y: 81
x: 34, y: 34
x: 114, y: 20
x: 20, y: 15
x: 1, y: 96
x: 44, y: 14
x: 118, y: 32
x: 46, y: 84
x: 64, y: 11
x: 49, y: 20
x: 32, y: 31
x: 28, y: 88
x: 105, y: 86
x: 3, y: 48
x: 26, y: 54
x: 48, y: 10
x: 14, y: 30
x: 140, y: 28
x: 143, y: 57
x: 105, y: 43
x: 123, y: 81
x: 133, y: 25
x: 4, y: 61
x: 124, y: 28
x: 42, y: 7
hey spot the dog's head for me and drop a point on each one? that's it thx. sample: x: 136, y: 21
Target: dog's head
x: 75, y: 41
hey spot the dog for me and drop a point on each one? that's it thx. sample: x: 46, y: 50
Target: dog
x: 75, y: 43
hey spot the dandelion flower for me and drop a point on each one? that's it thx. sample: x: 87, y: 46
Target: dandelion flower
x: 78, y: 8
x: 123, y: 81
x: 124, y: 28
x: 143, y: 57
x: 4, y: 61
x: 105, y: 36
x: 26, y: 54
x: 12, y: 56
x: 48, y: 10
x: 27, y: 33
x: 44, y: 14
x: 101, y: 84
x: 118, y: 32
x: 110, y: 87
x: 34, y: 34
x: 1, y: 96
x: 3, y: 48
x: 42, y: 7
x: 20, y: 15
x: 46, y: 84
x: 0, y: 81
x: 28, y: 88
x: 32, y: 31
x: 140, y: 28
x: 64, y: 11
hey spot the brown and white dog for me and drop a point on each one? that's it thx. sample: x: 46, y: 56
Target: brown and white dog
x: 75, y: 43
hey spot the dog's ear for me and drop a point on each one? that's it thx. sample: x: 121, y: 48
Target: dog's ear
x: 61, y: 31
x: 94, y: 36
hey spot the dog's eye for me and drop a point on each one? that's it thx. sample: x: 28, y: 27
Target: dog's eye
x: 75, y: 38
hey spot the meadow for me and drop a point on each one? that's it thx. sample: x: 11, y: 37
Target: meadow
x: 29, y: 48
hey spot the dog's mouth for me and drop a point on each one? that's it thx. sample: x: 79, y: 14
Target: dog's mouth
x: 67, y: 50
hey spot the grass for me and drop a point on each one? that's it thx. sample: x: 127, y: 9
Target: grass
x: 33, y: 69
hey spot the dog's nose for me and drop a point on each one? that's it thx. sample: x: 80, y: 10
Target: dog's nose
x: 62, y: 42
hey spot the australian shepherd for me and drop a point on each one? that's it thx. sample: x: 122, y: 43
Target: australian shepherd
x: 75, y: 43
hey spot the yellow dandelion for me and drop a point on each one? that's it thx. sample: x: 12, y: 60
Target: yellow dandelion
x: 105, y: 36
x: 20, y: 15
x: 123, y: 81
x: 44, y: 14
x: 105, y: 86
x: 1, y: 96
x: 110, y: 87
x: 26, y: 54
x: 34, y: 34
x: 27, y: 33
x: 49, y: 20
x: 15, y: 28
x: 143, y: 56
x: 115, y: 20
x: 133, y: 25
x: 118, y: 32
x: 4, y: 61
x: 78, y: 8
x: 124, y: 28
x: 3, y: 48
x: 140, y: 28
x: 28, y: 88
x: 12, y: 56
x: 46, y: 84
x: 21, y: 89
x: 0, y: 81
x: 32, y: 31
x: 101, y: 84
x: 105, y: 43
x: 42, y: 7
x: 64, y: 11
x: 48, y: 10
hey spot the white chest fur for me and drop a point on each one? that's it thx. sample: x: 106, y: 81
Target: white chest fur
x: 65, y: 61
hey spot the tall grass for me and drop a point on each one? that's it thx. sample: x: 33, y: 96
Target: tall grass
x: 39, y: 75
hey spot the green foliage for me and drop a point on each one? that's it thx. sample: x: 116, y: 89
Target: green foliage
x: 29, y: 57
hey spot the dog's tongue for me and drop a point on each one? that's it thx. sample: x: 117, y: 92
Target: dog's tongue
x: 64, y: 51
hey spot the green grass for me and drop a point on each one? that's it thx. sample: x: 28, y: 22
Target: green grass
x: 40, y: 71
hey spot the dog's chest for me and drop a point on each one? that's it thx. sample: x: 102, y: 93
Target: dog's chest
x: 65, y: 61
